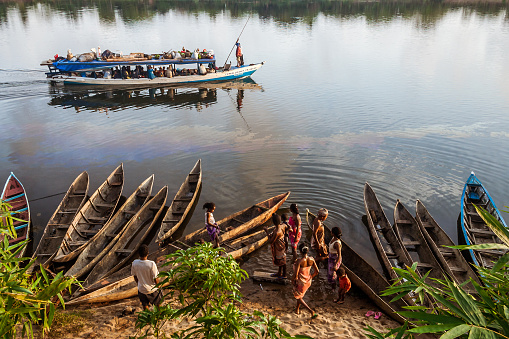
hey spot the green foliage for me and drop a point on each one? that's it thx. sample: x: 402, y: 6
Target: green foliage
x: 24, y: 300
x: 205, y: 281
x: 458, y: 314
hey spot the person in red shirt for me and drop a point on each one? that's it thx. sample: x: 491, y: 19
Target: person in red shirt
x: 240, y: 56
x: 344, y: 285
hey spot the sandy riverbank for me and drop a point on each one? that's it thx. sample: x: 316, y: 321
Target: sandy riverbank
x: 107, y: 321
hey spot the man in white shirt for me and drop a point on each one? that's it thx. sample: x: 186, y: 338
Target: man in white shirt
x: 145, y: 274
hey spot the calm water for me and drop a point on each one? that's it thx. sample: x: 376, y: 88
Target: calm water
x: 407, y: 97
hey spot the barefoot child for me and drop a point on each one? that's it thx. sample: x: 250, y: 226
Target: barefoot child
x: 344, y: 285
x: 277, y: 246
x: 211, y: 225
x: 302, y: 278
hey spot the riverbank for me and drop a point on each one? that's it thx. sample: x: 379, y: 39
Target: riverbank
x: 116, y: 320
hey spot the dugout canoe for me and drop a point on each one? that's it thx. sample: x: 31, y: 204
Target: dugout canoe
x: 136, y: 231
x: 240, y: 222
x: 451, y: 259
x: 414, y: 242
x: 92, y: 216
x: 184, y: 202
x: 15, y: 195
x: 363, y: 275
x: 106, y: 238
x: 121, y: 284
x: 60, y: 221
x: 474, y: 230
x: 389, y: 249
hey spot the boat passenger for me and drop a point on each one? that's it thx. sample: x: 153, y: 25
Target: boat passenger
x: 317, y: 239
x: 169, y: 72
x: 210, y: 223
x: 334, y: 256
x: 107, y: 74
x: 295, y: 231
x: 277, y: 246
x: 302, y: 278
x: 145, y: 274
x: 344, y: 286
x: 150, y: 72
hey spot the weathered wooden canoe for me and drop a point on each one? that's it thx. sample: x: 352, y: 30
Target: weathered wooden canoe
x: 106, y: 238
x: 121, y: 284
x: 240, y: 222
x: 59, y: 222
x: 474, y: 230
x: 363, y: 275
x: 91, y: 217
x: 451, y: 259
x: 184, y: 201
x: 389, y: 249
x: 412, y: 238
x: 15, y: 195
x: 135, y: 233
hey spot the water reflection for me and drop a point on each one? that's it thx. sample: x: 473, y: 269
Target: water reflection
x: 103, y: 100
x: 287, y: 12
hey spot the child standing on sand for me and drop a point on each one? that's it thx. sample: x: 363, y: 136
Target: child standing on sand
x: 295, y: 231
x: 210, y: 223
x: 344, y: 285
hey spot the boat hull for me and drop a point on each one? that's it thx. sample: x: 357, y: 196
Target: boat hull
x: 14, y: 194
x: 234, y: 73
x: 474, y: 230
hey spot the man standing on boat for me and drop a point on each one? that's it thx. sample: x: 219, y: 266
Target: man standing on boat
x: 238, y: 53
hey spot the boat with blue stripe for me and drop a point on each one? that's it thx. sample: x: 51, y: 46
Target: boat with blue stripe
x: 142, y: 70
x: 15, y: 195
x: 474, y: 230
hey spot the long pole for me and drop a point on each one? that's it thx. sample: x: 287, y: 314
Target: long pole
x: 249, y: 17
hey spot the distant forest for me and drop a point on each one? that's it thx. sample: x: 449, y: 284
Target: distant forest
x: 283, y: 11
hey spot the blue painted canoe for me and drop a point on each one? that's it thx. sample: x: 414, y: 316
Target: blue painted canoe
x: 14, y: 194
x: 474, y: 230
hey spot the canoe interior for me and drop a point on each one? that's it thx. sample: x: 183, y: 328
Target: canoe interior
x: 100, y: 244
x: 92, y: 216
x: 185, y: 200
x: 412, y: 238
x: 451, y: 259
x: 362, y: 274
x: 135, y: 233
x: 389, y: 249
x: 14, y: 194
x: 475, y: 230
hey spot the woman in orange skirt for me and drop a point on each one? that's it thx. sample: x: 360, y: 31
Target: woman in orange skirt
x: 302, y: 278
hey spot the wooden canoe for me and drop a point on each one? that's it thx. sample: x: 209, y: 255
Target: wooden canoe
x: 121, y: 284
x: 451, y: 259
x: 474, y: 230
x: 184, y: 201
x: 135, y: 233
x: 106, y: 238
x: 91, y: 217
x: 412, y: 238
x: 389, y: 249
x: 59, y: 222
x: 15, y: 195
x: 363, y: 275
x: 240, y: 222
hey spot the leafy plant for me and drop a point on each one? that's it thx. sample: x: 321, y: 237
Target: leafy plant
x: 24, y: 300
x: 459, y: 314
x: 205, y: 282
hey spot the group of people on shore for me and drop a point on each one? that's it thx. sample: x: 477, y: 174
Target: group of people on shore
x: 287, y: 233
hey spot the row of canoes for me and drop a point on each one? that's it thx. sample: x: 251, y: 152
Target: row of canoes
x: 111, y: 247
x: 94, y: 237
